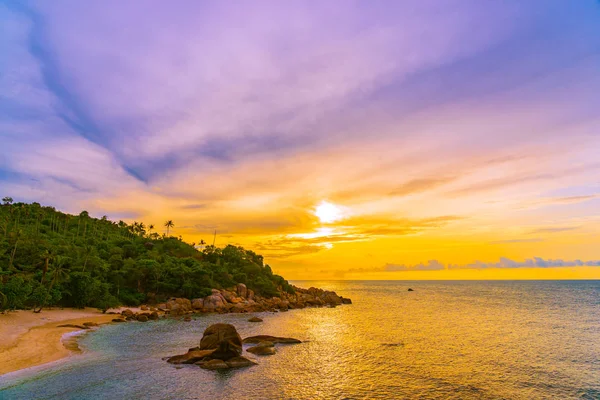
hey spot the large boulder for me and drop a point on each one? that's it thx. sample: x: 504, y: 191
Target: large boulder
x: 224, y: 340
x: 179, y: 303
x: 127, y: 313
x: 242, y: 290
x: 214, y: 302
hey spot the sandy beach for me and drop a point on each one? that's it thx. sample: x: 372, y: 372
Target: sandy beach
x: 29, y: 339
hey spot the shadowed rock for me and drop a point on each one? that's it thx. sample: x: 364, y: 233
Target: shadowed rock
x: 190, y: 357
x: 262, y: 350
x: 73, y: 326
x: 224, y: 339
x: 240, y: 362
x: 213, y: 364
x: 274, y: 339
x: 255, y: 319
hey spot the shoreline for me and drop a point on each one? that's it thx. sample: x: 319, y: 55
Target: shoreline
x: 30, y: 340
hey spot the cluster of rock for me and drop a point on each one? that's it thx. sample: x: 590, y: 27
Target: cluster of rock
x: 221, y: 347
x: 240, y: 299
x: 147, y: 314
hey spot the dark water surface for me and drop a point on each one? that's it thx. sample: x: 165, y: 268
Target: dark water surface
x: 445, y: 340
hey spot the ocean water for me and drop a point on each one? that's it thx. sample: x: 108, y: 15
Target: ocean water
x: 444, y: 340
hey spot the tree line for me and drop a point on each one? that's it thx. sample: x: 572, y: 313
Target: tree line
x: 50, y: 258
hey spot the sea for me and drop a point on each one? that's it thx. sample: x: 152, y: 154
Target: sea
x: 443, y: 340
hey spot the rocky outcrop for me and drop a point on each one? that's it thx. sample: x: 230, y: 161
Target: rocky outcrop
x: 221, y: 348
x: 223, y: 339
x: 240, y: 299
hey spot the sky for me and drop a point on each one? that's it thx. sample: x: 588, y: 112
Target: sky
x: 341, y: 139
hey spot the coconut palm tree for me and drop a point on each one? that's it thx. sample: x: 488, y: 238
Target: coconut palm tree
x: 169, y: 224
x: 59, y: 273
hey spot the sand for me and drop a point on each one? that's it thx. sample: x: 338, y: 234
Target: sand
x: 28, y: 339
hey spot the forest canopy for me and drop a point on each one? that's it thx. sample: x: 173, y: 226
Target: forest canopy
x: 50, y: 258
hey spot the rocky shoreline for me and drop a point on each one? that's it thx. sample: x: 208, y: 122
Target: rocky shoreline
x: 238, y: 299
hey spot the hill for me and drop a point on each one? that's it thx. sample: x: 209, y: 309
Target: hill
x: 50, y: 258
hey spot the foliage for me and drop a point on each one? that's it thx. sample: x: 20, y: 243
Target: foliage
x: 51, y: 258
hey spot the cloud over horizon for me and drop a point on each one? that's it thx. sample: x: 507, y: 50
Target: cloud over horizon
x: 439, y: 127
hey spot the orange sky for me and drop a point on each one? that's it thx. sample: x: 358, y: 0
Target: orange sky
x: 371, y: 140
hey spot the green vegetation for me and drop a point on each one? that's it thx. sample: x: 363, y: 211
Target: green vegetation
x: 49, y: 258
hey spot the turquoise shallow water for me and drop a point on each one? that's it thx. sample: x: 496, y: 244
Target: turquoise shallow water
x: 445, y: 340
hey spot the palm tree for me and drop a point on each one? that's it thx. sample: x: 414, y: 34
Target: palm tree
x: 169, y: 224
x: 150, y: 228
x: 59, y: 273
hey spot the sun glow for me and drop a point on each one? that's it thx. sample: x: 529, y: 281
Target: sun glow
x: 328, y: 212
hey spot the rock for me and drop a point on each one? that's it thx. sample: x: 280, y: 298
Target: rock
x: 190, y: 357
x: 228, y: 296
x: 255, y: 319
x: 127, y: 313
x: 181, y: 305
x: 346, y: 301
x: 224, y: 339
x: 262, y: 350
x: 265, y: 344
x: 250, y: 294
x: 153, y: 316
x: 144, y: 308
x: 73, y: 326
x: 161, y: 307
x: 214, y: 364
x: 153, y: 309
x: 242, y: 290
x: 273, y: 339
x: 214, y: 302
x: 142, y: 318
x: 118, y: 320
x: 187, y: 319
x: 90, y: 324
x: 240, y: 362
x: 410, y: 290
x: 198, y: 304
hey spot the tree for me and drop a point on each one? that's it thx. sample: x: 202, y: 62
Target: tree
x: 58, y: 274
x: 169, y: 224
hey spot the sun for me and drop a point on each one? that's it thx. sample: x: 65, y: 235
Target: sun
x: 328, y: 212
